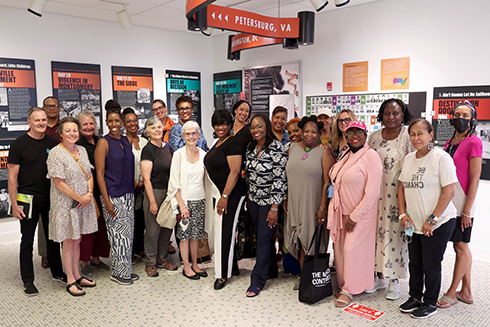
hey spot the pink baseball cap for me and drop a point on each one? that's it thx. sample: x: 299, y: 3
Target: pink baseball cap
x: 357, y: 124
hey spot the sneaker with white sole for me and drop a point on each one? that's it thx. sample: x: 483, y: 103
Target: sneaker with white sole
x: 426, y: 310
x: 121, y: 280
x: 379, y: 283
x: 30, y: 289
x: 393, y: 292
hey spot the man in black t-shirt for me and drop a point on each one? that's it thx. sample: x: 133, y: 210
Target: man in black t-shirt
x: 27, y: 175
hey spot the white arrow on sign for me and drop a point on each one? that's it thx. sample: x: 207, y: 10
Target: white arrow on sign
x: 213, y: 15
x: 226, y: 17
x: 219, y: 16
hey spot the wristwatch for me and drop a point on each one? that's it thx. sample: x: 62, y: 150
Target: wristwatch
x: 224, y: 195
x: 434, y: 218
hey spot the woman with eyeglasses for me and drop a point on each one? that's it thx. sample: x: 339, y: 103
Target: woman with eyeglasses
x: 187, y: 196
x: 265, y: 175
x: 156, y: 158
x: 339, y: 139
x: 159, y: 109
x: 466, y: 150
x: 392, y: 144
x: 130, y: 122
x: 223, y: 164
x: 356, y: 180
x: 427, y: 183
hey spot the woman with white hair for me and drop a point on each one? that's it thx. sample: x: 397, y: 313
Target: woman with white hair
x: 186, y: 186
x: 156, y: 158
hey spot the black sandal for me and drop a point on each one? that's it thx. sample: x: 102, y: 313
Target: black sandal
x: 79, y: 282
x: 77, y: 286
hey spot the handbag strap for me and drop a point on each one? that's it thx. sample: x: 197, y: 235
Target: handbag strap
x: 317, y: 239
x: 76, y: 159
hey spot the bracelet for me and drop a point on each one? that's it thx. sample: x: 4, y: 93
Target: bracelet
x: 323, y: 209
x: 430, y: 221
x: 467, y: 216
x: 274, y: 209
x: 184, y: 207
x: 90, y: 191
x: 400, y: 217
x: 224, y: 196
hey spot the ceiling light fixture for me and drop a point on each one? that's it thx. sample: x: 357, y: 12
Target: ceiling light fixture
x: 319, y: 4
x: 123, y: 18
x: 37, y: 7
x: 306, y: 27
x: 340, y: 3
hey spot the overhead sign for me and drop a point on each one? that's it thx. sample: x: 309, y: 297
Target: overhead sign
x: 248, y: 22
x: 245, y: 41
x: 193, y: 6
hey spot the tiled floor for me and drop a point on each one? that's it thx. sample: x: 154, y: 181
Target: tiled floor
x: 173, y: 300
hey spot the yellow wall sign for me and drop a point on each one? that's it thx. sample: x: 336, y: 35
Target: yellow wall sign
x: 355, y: 77
x: 395, y: 73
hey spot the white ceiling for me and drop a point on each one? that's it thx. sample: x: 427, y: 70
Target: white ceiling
x: 168, y: 14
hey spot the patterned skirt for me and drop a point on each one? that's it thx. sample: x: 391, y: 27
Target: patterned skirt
x: 192, y: 227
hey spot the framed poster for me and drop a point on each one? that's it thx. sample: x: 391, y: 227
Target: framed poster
x: 355, y: 77
x: 77, y: 87
x: 17, y: 96
x: 227, y: 89
x: 133, y: 87
x: 181, y: 83
x: 395, y: 73
x: 268, y: 87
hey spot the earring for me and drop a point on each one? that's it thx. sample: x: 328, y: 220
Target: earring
x: 430, y: 146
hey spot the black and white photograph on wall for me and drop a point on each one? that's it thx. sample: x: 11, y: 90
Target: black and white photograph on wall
x: 483, y: 132
x: 3, y: 97
x: 70, y: 108
x: 4, y: 195
x: 261, y: 84
x: 4, y: 119
x: 180, y: 83
x: 144, y: 96
x: 91, y: 101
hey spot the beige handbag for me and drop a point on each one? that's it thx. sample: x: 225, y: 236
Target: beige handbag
x: 165, y: 216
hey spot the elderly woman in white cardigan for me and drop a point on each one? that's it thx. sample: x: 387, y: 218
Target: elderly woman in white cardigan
x: 392, y: 143
x: 187, y: 196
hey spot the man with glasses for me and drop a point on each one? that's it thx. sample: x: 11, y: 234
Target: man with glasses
x: 184, y: 107
x: 52, y: 107
x: 160, y: 111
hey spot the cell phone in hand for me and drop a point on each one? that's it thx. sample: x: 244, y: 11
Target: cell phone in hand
x: 74, y: 204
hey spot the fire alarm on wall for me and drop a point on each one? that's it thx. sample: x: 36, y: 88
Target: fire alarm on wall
x: 329, y: 86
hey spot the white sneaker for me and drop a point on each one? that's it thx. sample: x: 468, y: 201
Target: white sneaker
x: 379, y: 283
x: 393, y: 290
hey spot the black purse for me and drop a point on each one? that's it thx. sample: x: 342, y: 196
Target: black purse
x: 316, y: 282
x: 246, y: 243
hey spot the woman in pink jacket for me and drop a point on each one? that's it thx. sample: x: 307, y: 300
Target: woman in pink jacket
x: 356, y: 179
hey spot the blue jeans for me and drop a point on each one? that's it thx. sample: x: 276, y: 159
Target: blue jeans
x: 265, y: 264
x: 426, y: 255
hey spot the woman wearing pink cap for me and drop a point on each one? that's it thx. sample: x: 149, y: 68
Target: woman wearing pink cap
x: 356, y: 180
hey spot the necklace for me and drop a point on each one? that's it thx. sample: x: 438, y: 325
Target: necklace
x: 306, y: 152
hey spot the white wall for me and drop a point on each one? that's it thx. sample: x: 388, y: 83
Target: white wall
x: 62, y: 38
x: 445, y: 40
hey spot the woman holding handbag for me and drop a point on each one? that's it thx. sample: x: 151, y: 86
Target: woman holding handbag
x: 356, y: 180
x: 156, y: 158
x: 307, y: 173
x: 72, y: 211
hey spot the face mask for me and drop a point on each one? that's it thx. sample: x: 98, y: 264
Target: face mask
x: 409, y: 231
x: 460, y: 124
x: 354, y: 150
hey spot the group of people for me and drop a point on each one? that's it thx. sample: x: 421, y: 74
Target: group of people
x: 389, y: 201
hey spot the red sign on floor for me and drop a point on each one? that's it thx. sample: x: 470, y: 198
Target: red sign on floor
x: 364, y: 312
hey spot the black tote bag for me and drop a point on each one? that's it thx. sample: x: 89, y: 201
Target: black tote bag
x: 316, y: 282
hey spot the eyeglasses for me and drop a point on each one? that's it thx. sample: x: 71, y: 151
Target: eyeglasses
x: 190, y: 134
x: 359, y: 132
x: 345, y: 120
x: 186, y: 108
x: 159, y: 108
x: 252, y: 128
x: 51, y: 106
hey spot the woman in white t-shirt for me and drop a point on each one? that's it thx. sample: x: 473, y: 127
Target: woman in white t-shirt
x: 186, y: 185
x: 427, y: 184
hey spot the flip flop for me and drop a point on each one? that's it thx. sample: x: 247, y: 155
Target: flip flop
x: 254, y: 290
x: 343, y: 303
x: 86, y: 280
x: 463, y: 300
x: 68, y: 287
x: 446, y: 299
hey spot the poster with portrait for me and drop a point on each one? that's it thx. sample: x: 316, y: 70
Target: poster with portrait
x: 181, y: 83
x: 17, y: 95
x: 445, y: 98
x: 366, y: 106
x: 227, y: 89
x: 270, y: 86
x: 133, y: 87
x: 77, y: 87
